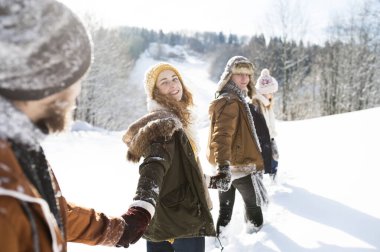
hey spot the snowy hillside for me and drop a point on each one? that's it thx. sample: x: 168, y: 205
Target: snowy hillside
x: 324, y: 199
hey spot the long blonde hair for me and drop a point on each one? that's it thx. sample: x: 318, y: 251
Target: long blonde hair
x: 180, y: 108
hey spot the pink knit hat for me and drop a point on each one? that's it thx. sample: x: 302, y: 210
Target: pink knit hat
x: 266, y: 84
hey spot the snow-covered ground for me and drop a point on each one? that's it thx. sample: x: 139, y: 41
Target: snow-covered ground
x: 324, y: 199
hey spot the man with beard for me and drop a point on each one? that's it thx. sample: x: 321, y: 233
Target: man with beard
x: 44, y: 53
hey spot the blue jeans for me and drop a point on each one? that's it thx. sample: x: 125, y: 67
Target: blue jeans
x: 179, y: 245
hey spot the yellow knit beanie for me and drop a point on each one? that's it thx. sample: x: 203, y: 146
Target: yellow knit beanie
x: 152, y: 74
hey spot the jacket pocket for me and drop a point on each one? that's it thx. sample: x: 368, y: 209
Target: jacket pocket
x: 237, y: 149
x: 175, y: 197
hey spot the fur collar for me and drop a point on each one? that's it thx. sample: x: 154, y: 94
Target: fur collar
x: 158, y: 124
x: 17, y: 126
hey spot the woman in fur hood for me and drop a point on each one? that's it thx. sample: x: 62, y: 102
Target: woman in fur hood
x: 171, y: 186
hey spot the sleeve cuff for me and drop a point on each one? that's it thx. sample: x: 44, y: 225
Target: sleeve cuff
x: 146, y: 205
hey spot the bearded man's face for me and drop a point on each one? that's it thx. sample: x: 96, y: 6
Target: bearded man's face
x: 58, y: 111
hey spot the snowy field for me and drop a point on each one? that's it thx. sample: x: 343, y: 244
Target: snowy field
x: 324, y: 199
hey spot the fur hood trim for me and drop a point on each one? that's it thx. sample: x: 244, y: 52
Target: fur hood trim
x: 159, y: 124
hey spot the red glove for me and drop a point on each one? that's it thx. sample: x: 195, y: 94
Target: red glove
x: 137, y: 220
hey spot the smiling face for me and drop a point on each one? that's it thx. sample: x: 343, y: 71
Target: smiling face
x: 241, y: 80
x: 169, y: 84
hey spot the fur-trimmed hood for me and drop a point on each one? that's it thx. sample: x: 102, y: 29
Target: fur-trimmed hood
x: 159, y: 124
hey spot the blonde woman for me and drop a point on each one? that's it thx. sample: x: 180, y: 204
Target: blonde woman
x: 266, y: 86
x: 171, y: 186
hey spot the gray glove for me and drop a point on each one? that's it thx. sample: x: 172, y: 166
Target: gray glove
x: 222, y: 180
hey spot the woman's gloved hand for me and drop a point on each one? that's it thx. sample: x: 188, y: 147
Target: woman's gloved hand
x: 137, y: 220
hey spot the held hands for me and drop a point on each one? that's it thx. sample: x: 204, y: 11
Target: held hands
x: 137, y: 220
x: 222, y: 180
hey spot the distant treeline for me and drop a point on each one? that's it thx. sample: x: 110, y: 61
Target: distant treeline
x: 341, y: 75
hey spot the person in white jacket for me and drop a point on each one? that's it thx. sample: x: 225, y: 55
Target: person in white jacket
x: 266, y: 86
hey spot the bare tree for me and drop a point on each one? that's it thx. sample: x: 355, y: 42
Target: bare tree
x: 350, y: 61
x: 108, y: 99
x: 289, y: 23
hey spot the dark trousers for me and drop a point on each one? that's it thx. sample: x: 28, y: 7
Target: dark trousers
x: 253, y: 213
x: 179, y: 245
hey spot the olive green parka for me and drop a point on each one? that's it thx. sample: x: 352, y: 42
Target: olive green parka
x: 171, y: 183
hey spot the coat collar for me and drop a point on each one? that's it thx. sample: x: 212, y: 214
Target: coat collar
x: 17, y: 126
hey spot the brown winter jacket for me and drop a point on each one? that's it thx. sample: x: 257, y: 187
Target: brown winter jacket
x: 16, y: 231
x: 230, y: 140
x: 170, y: 169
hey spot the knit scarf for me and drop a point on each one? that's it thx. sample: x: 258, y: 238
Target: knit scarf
x: 262, y: 198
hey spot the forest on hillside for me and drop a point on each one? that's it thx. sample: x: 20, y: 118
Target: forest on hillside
x: 340, y: 75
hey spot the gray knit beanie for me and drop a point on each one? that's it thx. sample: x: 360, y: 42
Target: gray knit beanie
x: 44, y: 48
